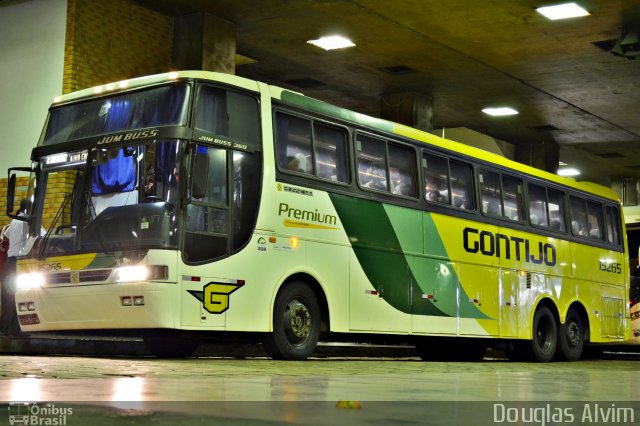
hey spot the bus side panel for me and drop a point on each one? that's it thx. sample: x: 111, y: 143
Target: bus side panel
x: 329, y: 264
x: 509, y: 287
x: 236, y: 293
x: 368, y: 308
x: 600, y: 280
x: 466, y: 244
x: 437, y: 288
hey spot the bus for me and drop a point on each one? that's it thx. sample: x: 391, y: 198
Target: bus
x: 193, y: 205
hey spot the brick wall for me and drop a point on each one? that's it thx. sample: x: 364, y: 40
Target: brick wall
x: 22, y: 185
x: 114, y: 40
x: 105, y: 41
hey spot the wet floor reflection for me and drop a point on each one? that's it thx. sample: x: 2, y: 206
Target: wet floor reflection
x: 244, y: 391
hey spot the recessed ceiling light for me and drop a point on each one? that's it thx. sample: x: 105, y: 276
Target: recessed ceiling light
x: 562, y: 11
x: 500, y: 111
x: 332, y: 42
x: 568, y: 172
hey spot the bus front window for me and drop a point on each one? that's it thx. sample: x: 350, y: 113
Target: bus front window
x: 116, y: 199
x: 133, y: 197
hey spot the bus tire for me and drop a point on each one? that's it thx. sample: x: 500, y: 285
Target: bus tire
x: 571, y: 337
x: 296, y: 323
x: 545, y: 336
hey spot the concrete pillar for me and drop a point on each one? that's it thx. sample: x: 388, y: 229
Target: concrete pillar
x: 410, y: 108
x: 544, y: 155
x: 204, y: 42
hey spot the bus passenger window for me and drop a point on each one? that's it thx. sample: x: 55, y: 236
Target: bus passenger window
x: 613, y: 225
x: 556, y: 209
x: 372, y: 163
x: 490, y: 193
x: 512, y: 197
x: 537, y: 205
x: 402, y: 170
x: 294, y: 143
x: 436, y: 178
x: 331, y: 152
x: 595, y: 218
x: 461, y: 175
x: 578, y: 216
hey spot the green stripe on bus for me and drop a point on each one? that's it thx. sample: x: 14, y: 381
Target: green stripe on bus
x: 387, y: 242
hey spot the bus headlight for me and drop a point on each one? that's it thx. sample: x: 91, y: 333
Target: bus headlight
x: 29, y: 281
x: 141, y: 273
x: 131, y: 273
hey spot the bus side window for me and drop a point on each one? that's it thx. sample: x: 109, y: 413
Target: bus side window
x: 595, y: 218
x: 537, y: 205
x: 556, y: 209
x: 490, y: 193
x: 402, y: 170
x: 330, y: 145
x: 461, y: 179
x: 613, y: 225
x: 372, y: 163
x: 436, y: 178
x: 512, y: 197
x: 578, y: 216
x: 293, y: 143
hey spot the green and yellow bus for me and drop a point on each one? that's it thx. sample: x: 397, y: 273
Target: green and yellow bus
x: 194, y: 204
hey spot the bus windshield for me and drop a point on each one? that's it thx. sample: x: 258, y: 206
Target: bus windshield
x: 160, y: 106
x: 108, y: 199
x: 110, y: 173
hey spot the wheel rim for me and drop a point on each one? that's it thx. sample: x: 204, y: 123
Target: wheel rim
x: 573, y: 335
x: 297, y: 322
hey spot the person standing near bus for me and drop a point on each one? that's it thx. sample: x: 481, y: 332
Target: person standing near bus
x: 17, y: 234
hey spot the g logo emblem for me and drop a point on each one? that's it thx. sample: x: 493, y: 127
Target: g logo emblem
x: 215, y: 296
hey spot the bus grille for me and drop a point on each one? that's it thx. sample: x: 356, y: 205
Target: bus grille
x: 77, y: 277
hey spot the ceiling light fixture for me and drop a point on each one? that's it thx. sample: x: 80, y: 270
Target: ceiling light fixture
x: 568, y: 172
x: 332, y: 42
x: 500, y: 111
x: 562, y: 11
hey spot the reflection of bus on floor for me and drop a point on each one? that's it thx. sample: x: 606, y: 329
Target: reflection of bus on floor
x: 172, y: 209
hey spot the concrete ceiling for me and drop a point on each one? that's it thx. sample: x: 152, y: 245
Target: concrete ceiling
x: 465, y: 55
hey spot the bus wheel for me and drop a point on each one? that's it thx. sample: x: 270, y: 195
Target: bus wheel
x: 170, y: 346
x: 296, y: 323
x: 545, y: 336
x: 571, y: 337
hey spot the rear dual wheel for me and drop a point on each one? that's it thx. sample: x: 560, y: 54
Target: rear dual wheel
x: 550, y: 339
x: 571, y: 337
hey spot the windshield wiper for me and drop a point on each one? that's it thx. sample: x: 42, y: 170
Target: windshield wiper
x: 65, y: 202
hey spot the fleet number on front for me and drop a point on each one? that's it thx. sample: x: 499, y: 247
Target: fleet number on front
x: 614, y: 268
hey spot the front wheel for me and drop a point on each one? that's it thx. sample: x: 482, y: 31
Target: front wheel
x: 571, y: 338
x: 296, y: 323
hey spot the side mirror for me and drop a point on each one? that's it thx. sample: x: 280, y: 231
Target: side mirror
x: 11, y: 191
